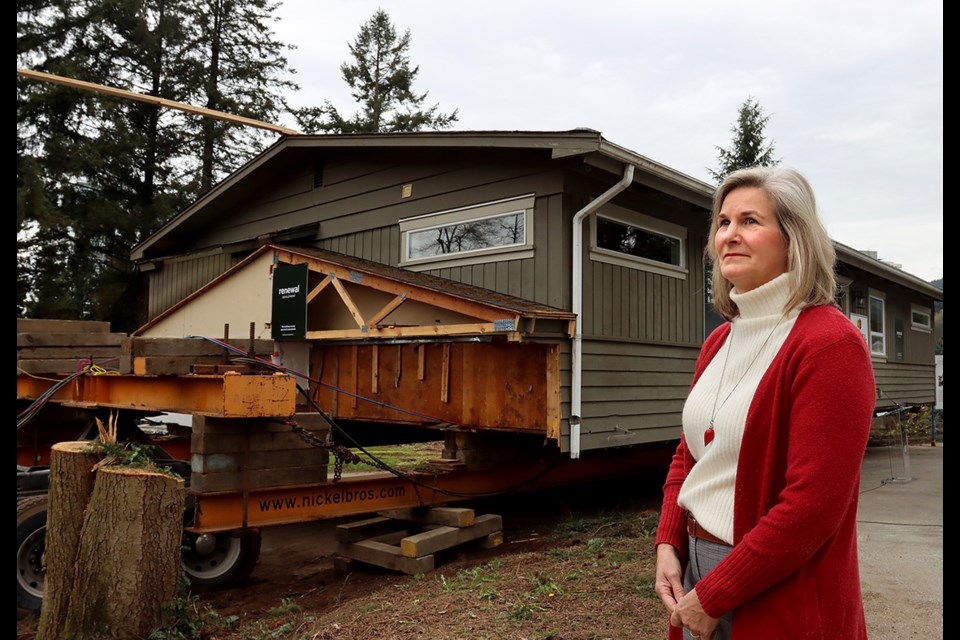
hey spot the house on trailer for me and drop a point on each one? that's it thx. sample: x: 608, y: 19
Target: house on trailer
x: 538, y: 284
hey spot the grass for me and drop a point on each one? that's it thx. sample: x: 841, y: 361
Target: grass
x: 404, y: 457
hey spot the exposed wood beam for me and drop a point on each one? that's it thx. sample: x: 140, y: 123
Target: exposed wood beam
x: 387, y: 310
x: 486, y: 328
x: 317, y: 289
x: 161, y: 102
x: 347, y: 300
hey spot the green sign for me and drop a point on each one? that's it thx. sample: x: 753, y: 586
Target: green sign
x: 289, y: 320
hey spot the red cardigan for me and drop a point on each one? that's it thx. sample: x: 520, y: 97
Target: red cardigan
x: 793, y: 571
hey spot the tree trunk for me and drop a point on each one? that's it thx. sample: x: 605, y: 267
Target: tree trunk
x: 128, y: 561
x: 112, y: 547
x: 71, y: 483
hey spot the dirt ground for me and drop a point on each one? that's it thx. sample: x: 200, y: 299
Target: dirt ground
x: 574, y: 564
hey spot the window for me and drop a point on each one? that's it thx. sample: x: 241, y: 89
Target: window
x: 631, y: 239
x: 878, y: 340
x: 920, y: 318
x: 469, y: 235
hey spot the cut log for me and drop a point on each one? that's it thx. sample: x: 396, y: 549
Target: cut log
x: 71, y: 483
x: 128, y: 559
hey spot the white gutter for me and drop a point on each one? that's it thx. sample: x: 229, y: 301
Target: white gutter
x: 576, y: 359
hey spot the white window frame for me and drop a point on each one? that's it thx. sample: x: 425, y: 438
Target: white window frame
x: 519, y: 204
x: 919, y: 326
x: 874, y: 331
x: 646, y: 223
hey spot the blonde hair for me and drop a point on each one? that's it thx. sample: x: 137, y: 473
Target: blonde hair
x: 811, y: 256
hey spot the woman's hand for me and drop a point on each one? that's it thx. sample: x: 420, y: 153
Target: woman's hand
x: 688, y: 613
x: 669, y: 582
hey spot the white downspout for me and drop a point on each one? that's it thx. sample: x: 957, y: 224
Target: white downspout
x: 576, y: 358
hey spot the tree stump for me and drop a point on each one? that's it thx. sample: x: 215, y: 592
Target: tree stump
x: 71, y: 483
x: 114, y: 551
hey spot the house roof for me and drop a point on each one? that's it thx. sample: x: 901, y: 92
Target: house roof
x: 469, y: 310
x: 487, y: 297
x: 289, y: 150
x: 869, y: 264
x: 587, y: 143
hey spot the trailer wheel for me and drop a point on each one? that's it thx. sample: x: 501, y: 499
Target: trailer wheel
x: 211, y: 561
x: 31, y: 534
x: 218, y: 560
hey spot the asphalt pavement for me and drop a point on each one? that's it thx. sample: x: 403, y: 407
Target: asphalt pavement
x: 900, y: 539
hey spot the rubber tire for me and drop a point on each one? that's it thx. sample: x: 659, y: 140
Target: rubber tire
x: 231, y: 564
x: 31, y: 533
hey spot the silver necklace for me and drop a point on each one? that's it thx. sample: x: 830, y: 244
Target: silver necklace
x: 709, y: 433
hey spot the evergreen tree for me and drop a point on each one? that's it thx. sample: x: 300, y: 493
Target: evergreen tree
x: 242, y: 72
x: 748, y: 147
x: 381, y: 79
x: 97, y: 174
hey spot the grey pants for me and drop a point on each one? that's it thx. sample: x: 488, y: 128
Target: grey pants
x: 704, y: 556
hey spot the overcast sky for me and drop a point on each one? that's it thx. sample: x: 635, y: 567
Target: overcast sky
x: 853, y: 89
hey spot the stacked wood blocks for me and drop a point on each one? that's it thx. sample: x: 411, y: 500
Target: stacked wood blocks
x: 65, y: 346
x: 182, y: 356
x: 238, y: 454
x: 406, y: 540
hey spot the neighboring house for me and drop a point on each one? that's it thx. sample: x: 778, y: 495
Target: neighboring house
x: 504, y: 236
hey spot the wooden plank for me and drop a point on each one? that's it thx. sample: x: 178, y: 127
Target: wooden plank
x: 386, y: 310
x: 171, y: 365
x: 70, y: 339
x: 491, y: 541
x: 33, y: 325
x: 257, y: 478
x: 351, y: 305
x: 387, y: 556
x: 317, y: 289
x: 428, y: 542
x: 375, y: 370
x: 255, y: 459
x: 55, y: 366
x: 366, y: 529
x: 138, y: 346
x: 445, y: 374
x: 222, y: 436
x: 446, y: 516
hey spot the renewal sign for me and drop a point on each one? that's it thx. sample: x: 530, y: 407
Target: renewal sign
x: 289, y: 302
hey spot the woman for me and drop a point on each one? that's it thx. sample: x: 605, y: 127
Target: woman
x: 757, y: 536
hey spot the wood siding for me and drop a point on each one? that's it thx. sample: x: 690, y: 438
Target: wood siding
x: 633, y: 392
x: 904, y: 384
x: 906, y: 379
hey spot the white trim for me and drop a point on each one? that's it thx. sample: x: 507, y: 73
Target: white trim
x: 516, y: 205
x: 469, y: 258
x: 646, y: 223
x: 492, y: 203
x: 882, y: 297
x: 926, y: 328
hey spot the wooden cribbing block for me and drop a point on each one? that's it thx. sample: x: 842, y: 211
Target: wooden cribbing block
x: 428, y: 542
x: 492, y: 541
x: 447, y: 516
x: 387, y: 556
x: 365, y: 529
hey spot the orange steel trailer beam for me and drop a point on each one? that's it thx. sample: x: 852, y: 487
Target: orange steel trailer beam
x: 226, y: 396
x: 370, y: 493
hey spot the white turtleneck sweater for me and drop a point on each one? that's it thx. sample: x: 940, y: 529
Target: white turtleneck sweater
x: 723, y: 395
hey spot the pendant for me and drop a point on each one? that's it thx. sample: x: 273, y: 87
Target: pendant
x: 708, y: 436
